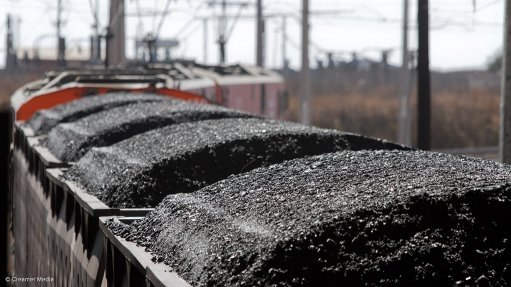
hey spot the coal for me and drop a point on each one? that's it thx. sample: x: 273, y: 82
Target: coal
x: 364, y: 218
x: 43, y: 121
x: 142, y: 170
x: 70, y: 141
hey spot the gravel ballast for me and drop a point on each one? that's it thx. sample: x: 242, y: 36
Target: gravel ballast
x: 70, y: 141
x: 140, y: 171
x: 43, y: 121
x: 365, y: 218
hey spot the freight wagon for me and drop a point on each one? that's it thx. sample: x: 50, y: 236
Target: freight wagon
x: 132, y: 188
x: 246, y: 88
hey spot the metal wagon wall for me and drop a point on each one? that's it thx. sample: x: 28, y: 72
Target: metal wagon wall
x: 60, y: 229
x: 5, y: 141
x: 56, y: 225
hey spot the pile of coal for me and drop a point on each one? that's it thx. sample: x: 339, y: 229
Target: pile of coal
x: 364, y: 218
x: 70, y: 141
x: 43, y: 121
x: 142, y: 170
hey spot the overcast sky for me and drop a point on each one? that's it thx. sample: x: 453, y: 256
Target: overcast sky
x: 461, y: 36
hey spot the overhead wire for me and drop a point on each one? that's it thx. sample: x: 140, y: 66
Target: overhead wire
x: 163, y: 16
x: 191, y: 20
x: 489, y: 4
x: 233, y: 24
x: 140, y: 24
x: 93, y: 10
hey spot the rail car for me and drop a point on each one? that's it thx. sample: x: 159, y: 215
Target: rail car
x: 142, y: 184
x: 251, y: 89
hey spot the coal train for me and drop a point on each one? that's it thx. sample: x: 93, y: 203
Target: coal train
x: 241, y: 87
x: 143, y: 184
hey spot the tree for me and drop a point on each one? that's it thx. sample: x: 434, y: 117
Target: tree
x: 494, y: 63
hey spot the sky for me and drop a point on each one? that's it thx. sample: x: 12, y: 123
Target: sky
x: 464, y: 33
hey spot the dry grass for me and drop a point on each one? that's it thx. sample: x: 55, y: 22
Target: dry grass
x: 458, y: 119
x: 465, y: 120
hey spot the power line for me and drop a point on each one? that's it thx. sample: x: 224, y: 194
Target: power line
x: 185, y: 38
x: 223, y: 30
x: 139, y: 16
x: 233, y: 24
x: 489, y: 4
x: 191, y: 20
x: 157, y: 32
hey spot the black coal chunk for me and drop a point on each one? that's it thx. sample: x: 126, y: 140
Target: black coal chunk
x: 43, y: 121
x: 364, y: 218
x: 141, y: 170
x: 70, y: 141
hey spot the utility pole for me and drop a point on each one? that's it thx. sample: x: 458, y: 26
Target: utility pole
x: 59, y: 21
x: 205, y: 41
x: 223, y: 32
x: 61, y: 44
x: 150, y: 40
x: 108, y: 37
x: 305, y: 73
x: 116, y: 53
x: 96, y: 32
x: 11, y: 59
x: 423, y: 75
x: 404, y: 107
x: 505, y: 102
x: 95, y: 39
x: 260, y: 47
x: 222, y: 39
x: 260, y: 35
x: 284, y: 43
